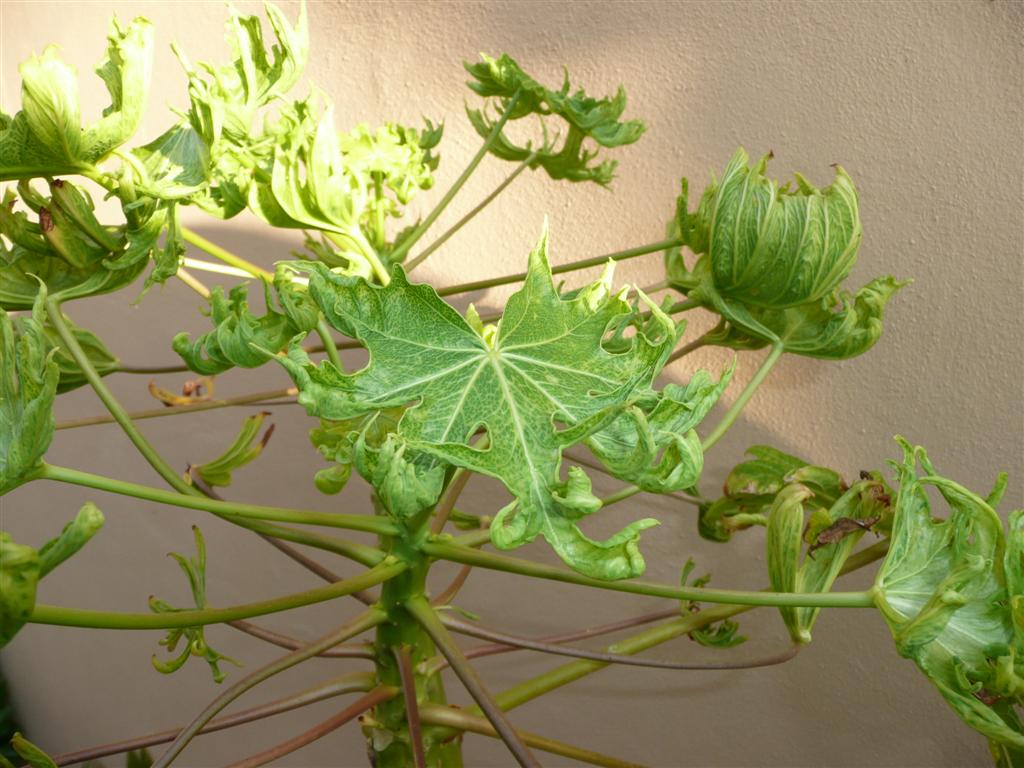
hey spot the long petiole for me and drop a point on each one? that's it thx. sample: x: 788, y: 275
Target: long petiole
x: 365, y: 249
x: 227, y: 509
x: 460, y: 720
x: 620, y: 495
x: 686, y: 349
x: 78, y: 617
x: 192, y: 282
x: 464, y: 628
x: 276, y: 535
x: 362, y: 651
x: 368, y: 701
x: 421, y: 229
x: 356, y: 626
x: 572, y: 266
x: 412, y: 709
x: 356, y: 682
x: 177, y: 410
x: 224, y: 255
x: 567, y: 673
x: 598, y: 466
x: 422, y: 256
x: 428, y: 619
x: 737, y: 407
x: 493, y: 561
x: 116, y: 410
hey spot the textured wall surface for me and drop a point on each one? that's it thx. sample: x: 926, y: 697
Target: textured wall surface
x: 920, y: 101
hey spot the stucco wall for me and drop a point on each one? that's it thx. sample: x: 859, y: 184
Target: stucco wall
x: 920, y: 101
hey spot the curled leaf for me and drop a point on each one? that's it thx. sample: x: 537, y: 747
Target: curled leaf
x: 245, y: 448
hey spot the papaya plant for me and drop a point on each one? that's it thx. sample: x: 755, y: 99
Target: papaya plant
x: 560, y: 386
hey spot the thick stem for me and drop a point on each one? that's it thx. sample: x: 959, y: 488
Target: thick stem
x: 227, y: 509
x: 78, y: 617
x: 224, y: 255
x: 425, y: 615
x: 155, y: 413
x: 422, y: 256
x: 572, y: 266
x: 463, y: 721
x: 319, y: 730
x: 421, y: 229
x: 467, y: 556
x: 141, y: 443
x: 361, y: 623
x: 351, y: 683
x: 748, y: 391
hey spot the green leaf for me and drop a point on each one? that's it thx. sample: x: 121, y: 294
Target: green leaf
x: 542, y: 383
x: 46, y: 137
x: 195, y: 638
x: 176, y: 164
x: 336, y: 441
x: 21, y: 567
x: 75, y: 535
x: 772, y: 260
x: 581, y: 116
x: 238, y: 337
x: 243, y: 450
x: 71, y: 376
x: 406, y: 482
x: 28, y: 385
x: 19, y: 574
x: 30, y: 753
x: 62, y: 249
x: 943, y: 590
x: 783, y: 542
x: 653, y: 444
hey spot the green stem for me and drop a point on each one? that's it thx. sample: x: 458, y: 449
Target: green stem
x: 421, y: 257
x: 361, y: 623
x: 227, y: 509
x: 686, y: 349
x: 620, y: 495
x: 77, y: 617
x: 572, y: 266
x: 151, y: 369
x: 224, y: 255
x: 116, y: 410
x: 421, y: 229
x: 177, y: 410
x: 455, y: 553
x: 461, y: 721
x: 425, y: 615
x: 323, y: 330
x: 365, y: 248
x: 734, y: 411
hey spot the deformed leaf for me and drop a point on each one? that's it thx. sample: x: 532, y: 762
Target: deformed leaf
x: 543, y: 368
x: 945, y: 593
x: 28, y: 386
x: 75, y: 535
x: 71, y: 376
x: 245, y: 448
x: 194, y: 569
x: 336, y: 441
x: 653, y: 444
x: 581, y: 116
x: 30, y: 753
x: 406, y: 482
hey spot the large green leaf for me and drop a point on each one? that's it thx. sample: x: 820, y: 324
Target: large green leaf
x: 28, y: 385
x: 46, y: 137
x: 943, y: 591
x: 581, y: 118
x: 537, y: 383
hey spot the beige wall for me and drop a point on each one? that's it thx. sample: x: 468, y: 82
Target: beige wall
x: 920, y: 101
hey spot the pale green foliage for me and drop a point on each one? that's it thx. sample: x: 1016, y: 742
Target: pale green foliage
x: 336, y: 441
x: 47, y: 138
x: 28, y: 385
x: 950, y: 591
x: 580, y: 116
x: 653, y: 444
x: 71, y: 376
x: 772, y: 260
x: 30, y: 753
x: 544, y: 365
x: 22, y: 566
x: 195, y: 637
x: 245, y: 448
